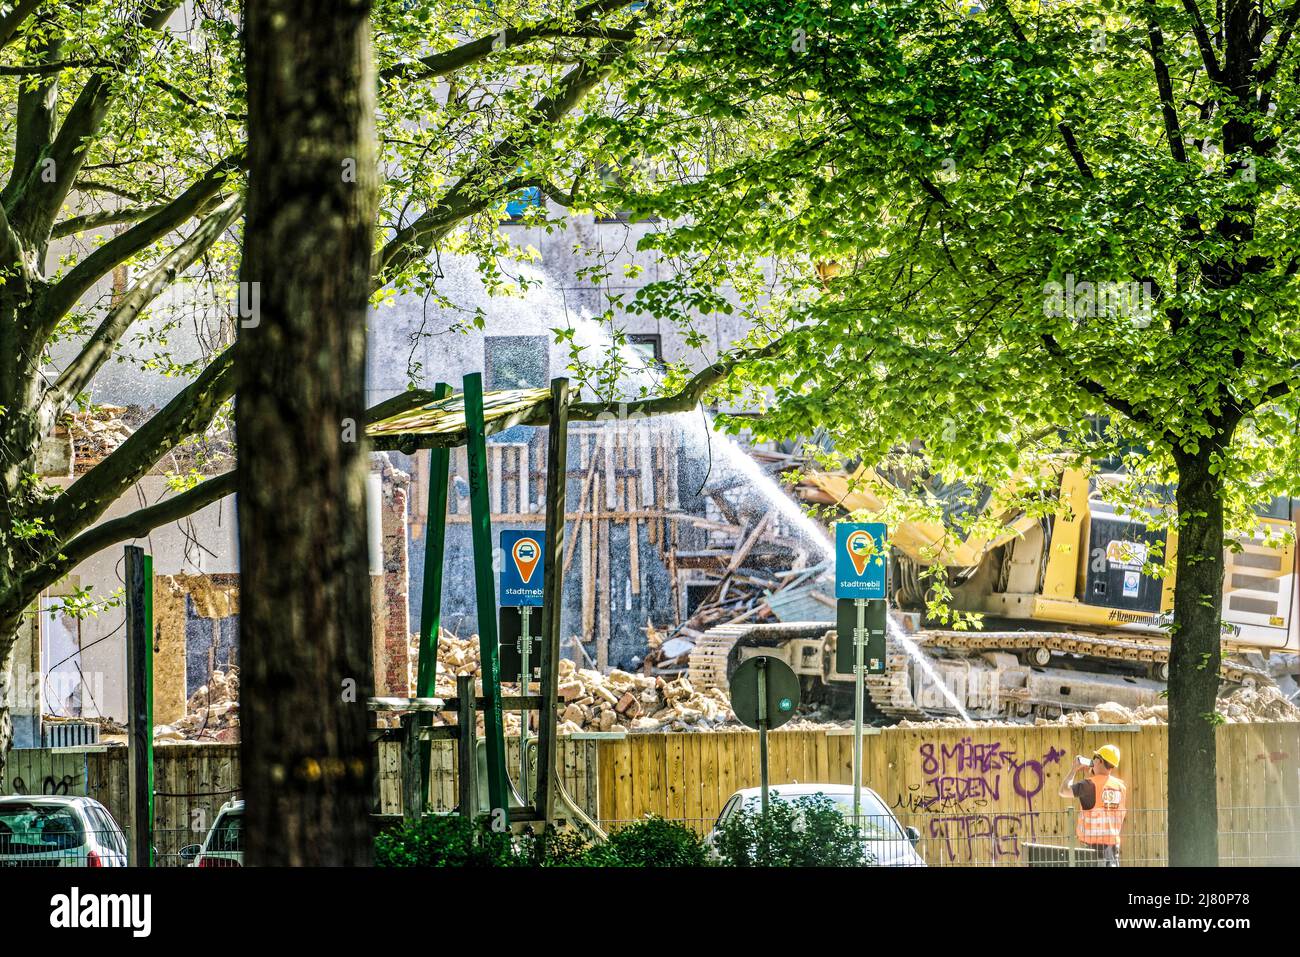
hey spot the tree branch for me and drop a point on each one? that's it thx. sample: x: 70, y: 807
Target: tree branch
x: 137, y: 524
x: 189, y: 412
x: 1096, y: 389
x: 1173, y: 130
x: 192, y: 102
x: 1289, y: 20
x: 440, y: 64
x: 92, y: 186
x: 45, y: 69
x: 14, y: 19
x: 1072, y: 145
x: 107, y: 217
x: 1203, y: 40
x: 684, y: 400
x: 472, y: 193
x: 41, y: 197
x: 99, y: 347
x: 55, y: 302
x: 34, y: 127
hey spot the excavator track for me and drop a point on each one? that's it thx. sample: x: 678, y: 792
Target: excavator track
x: 891, y: 694
x: 1109, y: 647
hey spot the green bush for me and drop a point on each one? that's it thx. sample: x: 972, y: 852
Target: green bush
x: 445, y: 841
x: 807, y: 832
x: 653, y: 842
x: 554, y: 848
x: 453, y: 841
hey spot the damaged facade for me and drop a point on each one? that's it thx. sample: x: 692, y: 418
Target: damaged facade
x: 653, y: 524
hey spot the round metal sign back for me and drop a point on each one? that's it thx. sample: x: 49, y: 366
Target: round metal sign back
x: 782, y: 691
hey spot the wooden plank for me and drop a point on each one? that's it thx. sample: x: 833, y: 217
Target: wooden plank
x: 494, y: 485
x: 622, y: 780
x: 1282, y: 742
x: 727, y: 786
x: 1252, y: 796
x: 604, y: 583
x: 638, y: 799
x: 707, y: 784
x: 652, y: 783
x: 822, y: 749
x: 675, y: 798
x: 1231, y: 846
x: 610, y: 484
x: 693, y: 811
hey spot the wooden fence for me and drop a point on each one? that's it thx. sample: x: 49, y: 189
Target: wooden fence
x: 192, y: 782
x: 977, y: 796
x: 575, y: 761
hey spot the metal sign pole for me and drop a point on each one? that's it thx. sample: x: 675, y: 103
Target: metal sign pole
x: 859, y: 643
x: 525, y: 646
x: 762, y: 728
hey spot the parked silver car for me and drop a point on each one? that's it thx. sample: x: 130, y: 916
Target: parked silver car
x: 888, y: 842
x: 224, y: 845
x: 58, y: 831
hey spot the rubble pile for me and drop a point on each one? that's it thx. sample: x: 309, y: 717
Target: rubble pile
x: 211, y: 714
x: 1243, y: 706
x: 96, y: 432
x: 624, y: 701
x: 590, y: 701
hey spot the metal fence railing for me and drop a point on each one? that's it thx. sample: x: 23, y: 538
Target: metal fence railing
x: 59, y: 840
x: 1248, y: 837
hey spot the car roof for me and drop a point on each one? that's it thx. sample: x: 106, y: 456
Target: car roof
x: 78, y: 799
x: 799, y: 790
x: 232, y: 807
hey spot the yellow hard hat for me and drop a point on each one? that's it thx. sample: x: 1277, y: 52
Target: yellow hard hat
x: 1108, y: 753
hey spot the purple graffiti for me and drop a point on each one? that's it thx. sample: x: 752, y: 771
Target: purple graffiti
x: 967, y: 771
x: 961, y: 835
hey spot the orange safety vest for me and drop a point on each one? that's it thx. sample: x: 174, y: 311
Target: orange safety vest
x: 1102, y: 824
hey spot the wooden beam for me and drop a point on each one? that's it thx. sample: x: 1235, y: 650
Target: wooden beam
x: 557, y: 457
x: 466, y: 747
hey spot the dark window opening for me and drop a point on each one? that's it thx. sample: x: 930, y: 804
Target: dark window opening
x: 649, y: 346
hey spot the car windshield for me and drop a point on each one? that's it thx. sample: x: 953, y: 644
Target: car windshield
x: 39, y: 828
x: 877, y: 823
x: 228, y: 834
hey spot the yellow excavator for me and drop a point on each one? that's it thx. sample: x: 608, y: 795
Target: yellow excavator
x: 1072, y: 613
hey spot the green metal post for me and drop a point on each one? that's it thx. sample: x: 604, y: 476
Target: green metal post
x: 485, y: 582
x: 139, y: 673
x: 435, y: 540
x: 148, y: 695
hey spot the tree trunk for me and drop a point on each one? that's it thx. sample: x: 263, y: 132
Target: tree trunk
x: 1194, y: 666
x: 305, y: 627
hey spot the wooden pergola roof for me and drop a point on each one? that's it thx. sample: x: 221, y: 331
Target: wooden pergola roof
x: 442, y: 424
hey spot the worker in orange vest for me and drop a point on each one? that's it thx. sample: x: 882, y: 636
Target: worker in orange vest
x: 1103, y: 801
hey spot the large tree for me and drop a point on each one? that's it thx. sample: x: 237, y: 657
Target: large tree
x: 305, y: 624
x: 132, y: 116
x: 1039, y: 216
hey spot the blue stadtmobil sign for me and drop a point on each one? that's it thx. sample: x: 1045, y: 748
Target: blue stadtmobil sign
x: 860, y: 559
x: 523, y: 567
